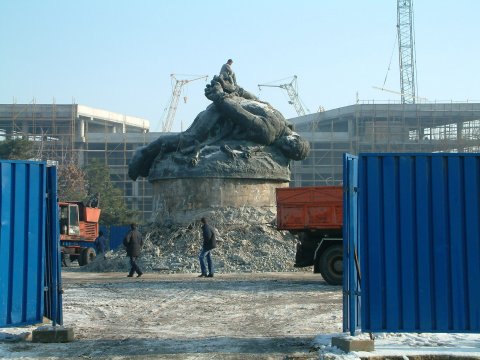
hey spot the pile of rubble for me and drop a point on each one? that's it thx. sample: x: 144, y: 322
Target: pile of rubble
x: 247, y: 241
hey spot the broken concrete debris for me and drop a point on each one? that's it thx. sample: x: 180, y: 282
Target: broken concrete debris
x: 247, y: 241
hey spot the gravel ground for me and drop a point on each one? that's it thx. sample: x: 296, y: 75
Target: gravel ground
x: 180, y: 316
x: 245, y: 316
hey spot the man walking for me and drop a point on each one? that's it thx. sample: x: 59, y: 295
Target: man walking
x: 209, y: 243
x: 133, y: 242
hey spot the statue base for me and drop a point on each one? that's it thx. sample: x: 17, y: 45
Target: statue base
x: 184, y: 200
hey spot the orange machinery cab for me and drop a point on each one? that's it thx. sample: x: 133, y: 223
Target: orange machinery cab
x: 78, y: 222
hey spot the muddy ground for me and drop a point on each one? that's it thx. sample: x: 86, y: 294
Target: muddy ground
x: 180, y: 316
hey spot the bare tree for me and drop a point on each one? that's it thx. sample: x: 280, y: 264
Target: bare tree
x: 72, y: 181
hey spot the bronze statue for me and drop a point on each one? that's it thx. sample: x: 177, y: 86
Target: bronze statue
x: 236, y: 124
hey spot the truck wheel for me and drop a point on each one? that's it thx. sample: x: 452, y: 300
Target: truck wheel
x: 331, y: 265
x: 87, y: 256
x: 80, y: 259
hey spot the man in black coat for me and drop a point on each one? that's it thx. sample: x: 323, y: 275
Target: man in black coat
x: 209, y: 243
x: 133, y: 242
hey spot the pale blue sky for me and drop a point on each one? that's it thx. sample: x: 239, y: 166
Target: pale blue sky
x: 118, y: 55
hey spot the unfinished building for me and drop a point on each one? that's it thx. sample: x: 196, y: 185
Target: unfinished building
x: 367, y: 127
x: 80, y: 132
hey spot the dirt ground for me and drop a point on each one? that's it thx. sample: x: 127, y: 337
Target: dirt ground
x: 180, y: 316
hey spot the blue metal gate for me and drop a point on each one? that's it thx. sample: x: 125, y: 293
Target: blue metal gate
x: 351, y: 246
x: 420, y: 242
x: 53, y: 279
x: 25, y: 240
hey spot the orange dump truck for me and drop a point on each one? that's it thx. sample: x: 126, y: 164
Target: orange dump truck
x: 315, y: 215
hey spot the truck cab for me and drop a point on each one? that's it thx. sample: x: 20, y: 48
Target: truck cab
x: 69, y: 220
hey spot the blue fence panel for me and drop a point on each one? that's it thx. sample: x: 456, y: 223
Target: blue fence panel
x: 420, y: 242
x: 116, y: 235
x: 351, y: 246
x: 22, y: 241
x: 53, y: 279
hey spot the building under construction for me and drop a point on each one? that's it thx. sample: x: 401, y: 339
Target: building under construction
x: 369, y: 127
x: 72, y: 131
x: 85, y: 133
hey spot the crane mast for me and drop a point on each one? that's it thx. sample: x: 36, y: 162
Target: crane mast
x: 176, y: 92
x: 406, y: 47
x: 292, y: 92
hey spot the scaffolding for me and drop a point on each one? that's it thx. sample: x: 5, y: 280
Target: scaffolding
x: 367, y: 127
x: 67, y: 132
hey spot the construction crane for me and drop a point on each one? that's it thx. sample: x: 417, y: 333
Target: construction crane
x: 406, y: 51
x: 176, y: 92
x: 406, y: 54
x: 292, y: 91
x: 399, y: 93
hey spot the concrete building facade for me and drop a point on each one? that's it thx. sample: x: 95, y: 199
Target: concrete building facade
x: 84, y: 133
x: 367, y: 127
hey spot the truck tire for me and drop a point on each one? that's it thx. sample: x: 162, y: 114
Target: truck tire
x: 331, y: 265
x: 87, y: 256
x: 80, y: 259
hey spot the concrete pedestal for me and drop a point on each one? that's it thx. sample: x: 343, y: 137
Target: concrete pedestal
x: 352, y: 344
x: 52, y: 334
x: 184, y: 200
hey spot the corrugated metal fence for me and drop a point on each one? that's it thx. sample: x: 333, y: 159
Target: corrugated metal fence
x: 351, y: 246
x: 115, y: 235
x: 419, y: 217
x: 25, y: 239
x: 53, y: 279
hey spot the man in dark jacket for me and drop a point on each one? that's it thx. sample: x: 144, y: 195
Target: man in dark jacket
x: 209, y: 243
x: 100, y: 244
x: 133, y: 242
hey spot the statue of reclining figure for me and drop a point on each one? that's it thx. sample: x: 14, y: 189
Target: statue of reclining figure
x: 235, y: 114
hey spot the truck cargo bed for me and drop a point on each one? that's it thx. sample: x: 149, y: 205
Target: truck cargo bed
x: 312, y: 207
